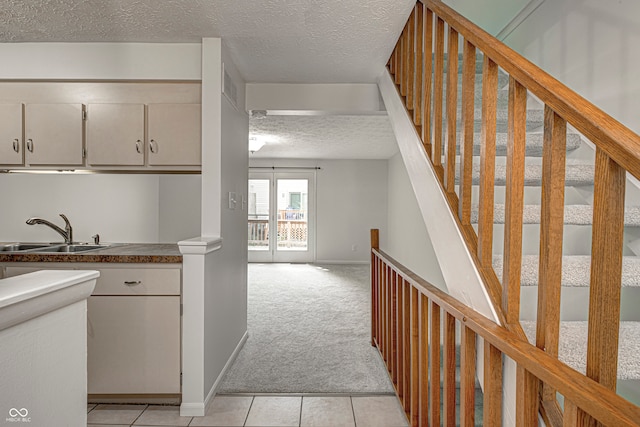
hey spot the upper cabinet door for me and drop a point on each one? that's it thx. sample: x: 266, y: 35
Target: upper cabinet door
x: 115, y: 134
x: 174, y: 134
x: 11, y: 147
x: 53, y: 134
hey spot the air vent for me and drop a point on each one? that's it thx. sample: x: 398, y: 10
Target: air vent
x: 229, y: 88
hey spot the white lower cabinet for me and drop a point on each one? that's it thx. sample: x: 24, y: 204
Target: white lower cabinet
x: 133, y: 344
x: 133, y: 331
x: 133, y: 327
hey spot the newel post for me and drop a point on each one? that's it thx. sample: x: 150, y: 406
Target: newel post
x: 375, y: 244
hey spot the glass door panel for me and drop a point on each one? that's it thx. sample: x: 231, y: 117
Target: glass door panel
x: 258, y: 211
x: 292, y: 214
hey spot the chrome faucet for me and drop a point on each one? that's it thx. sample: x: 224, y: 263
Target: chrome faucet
x: 67, y: 233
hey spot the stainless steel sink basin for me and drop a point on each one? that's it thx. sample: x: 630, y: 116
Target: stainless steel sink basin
x: 50, y: 247
x: 17, y: 247
x: 73, y: 248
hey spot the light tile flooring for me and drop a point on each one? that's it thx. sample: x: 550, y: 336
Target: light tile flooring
x: 261, y: 411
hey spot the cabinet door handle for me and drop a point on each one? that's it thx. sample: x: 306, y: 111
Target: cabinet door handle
x: 30, y: 145
x: 132, y: 282
x: 152, y: 146
x: 138, y: 149
x: 16, y: 145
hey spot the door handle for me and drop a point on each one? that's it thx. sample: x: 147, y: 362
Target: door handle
x: 138, y: 149
x: 16, y: 145
x: 152, y: 146
x: 30, y: 145
x: 132, y: 282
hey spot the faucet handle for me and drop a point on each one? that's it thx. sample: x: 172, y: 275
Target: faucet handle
x: 96, y: 239
x: 68, y: 229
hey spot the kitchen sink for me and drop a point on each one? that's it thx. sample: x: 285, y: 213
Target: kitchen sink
x: 50, y: 247
x: 17, y: 247
x: 73, y: 248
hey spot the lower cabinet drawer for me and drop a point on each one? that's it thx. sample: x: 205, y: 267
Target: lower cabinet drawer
x: 138, y: 281
x: 133, y: 344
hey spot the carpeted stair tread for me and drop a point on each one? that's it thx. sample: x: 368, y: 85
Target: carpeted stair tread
x: 575, y: 175
x: 576, y: 270
x: 573, y: 346
x: 573, y: 215
x: 534, y: 143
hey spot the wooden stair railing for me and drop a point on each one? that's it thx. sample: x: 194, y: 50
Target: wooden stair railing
x: 408, y: 313
x: 420, y: 81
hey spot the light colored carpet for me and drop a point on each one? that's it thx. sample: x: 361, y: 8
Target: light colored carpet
x: 573, y: 346
x: 573, y: 215
x: 309, y: 332
x: 576, y: 270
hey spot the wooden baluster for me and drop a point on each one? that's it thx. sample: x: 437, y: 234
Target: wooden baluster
x: 492, y: 403
x: 434, y: 380
x: 406, y: 346
x: 387, y: 313
x: 570, y: 417
x: 423, y: 385
x: 487, y: 161
x: 606, y: 272
x: 396, y: 325
x: 527, y: 398
x: 466, y: 139
x: 438, y: 75
x: 415, y: 369
x: 428, y: 79
x: 375, y: 244
x: 467, y: 377
x: 399, y: 359
x: 452, y: 112
x: 551, y: 231
x: 397, y: 77
x: 417, y: 98
x: 380, y: 305
x: 449, y: 364
x: 411, y: 59
x: 404, y: 60
x: 514, y: 201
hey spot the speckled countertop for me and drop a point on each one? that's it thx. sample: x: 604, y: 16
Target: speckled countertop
x: 115, y: 253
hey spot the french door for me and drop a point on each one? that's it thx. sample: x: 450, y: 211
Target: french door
x: 281, y: 217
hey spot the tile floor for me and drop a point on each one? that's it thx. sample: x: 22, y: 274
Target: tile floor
x: 260, y: 411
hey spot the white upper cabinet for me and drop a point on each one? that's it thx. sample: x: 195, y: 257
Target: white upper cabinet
x: 115, y: 134
x: 11, y: 144
x: 53, y: 134
x: 174, y: 134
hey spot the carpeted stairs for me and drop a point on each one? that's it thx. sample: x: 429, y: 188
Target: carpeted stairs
x: 578, y: 218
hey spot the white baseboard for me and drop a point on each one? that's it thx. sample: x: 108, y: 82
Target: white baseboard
x: 227, y: 365
x: 325, y: 261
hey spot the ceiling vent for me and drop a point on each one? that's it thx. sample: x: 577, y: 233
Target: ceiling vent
x: 229, y: 88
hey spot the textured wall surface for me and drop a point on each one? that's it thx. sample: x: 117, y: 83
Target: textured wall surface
x: 270, y: 41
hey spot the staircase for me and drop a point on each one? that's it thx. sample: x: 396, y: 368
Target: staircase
x: 578, y: 215
x: 551, y: 220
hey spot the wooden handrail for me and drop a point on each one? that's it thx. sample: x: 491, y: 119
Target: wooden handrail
x: 598, y: 401
x: 617, y: 141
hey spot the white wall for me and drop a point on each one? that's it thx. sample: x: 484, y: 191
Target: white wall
x: 407, y: 239
x: 179, y: 207
x: 492, y: 16
x: 225, y: 293
x: 351, y: 199
x: 592, y: 47
x: 121, y: 208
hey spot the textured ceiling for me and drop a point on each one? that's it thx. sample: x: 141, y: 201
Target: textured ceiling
x: 278, y: 41
x: 270, y: 41
x: 325, y: 137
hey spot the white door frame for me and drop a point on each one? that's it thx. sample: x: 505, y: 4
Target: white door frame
x: 273, y: 254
